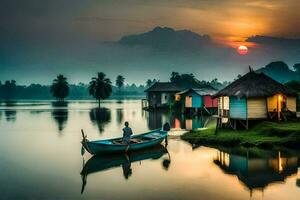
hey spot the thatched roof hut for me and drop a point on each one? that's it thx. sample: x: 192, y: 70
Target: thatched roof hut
x: 255, y: 85
x: 255, y: 96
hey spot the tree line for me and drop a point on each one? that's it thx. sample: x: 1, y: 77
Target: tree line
x: 100, y: 87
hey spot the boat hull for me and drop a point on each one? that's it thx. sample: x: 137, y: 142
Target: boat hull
x: 106, y: 146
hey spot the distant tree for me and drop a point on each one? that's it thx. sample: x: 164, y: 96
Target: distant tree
x: 120, y: 82
x: 100, y: 87
x: 216, y: 84
x: 8, y: 89
x: 295, y: 85
x: 150, y: 82
x: 60, y: 88
x: 187, y: 80
x: 175, y: 76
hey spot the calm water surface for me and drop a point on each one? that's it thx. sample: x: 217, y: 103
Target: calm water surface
x: 41, y: 158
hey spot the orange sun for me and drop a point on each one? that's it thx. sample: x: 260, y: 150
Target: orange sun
x: 242, y: 50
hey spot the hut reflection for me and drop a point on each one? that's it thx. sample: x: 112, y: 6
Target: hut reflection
x: 177, y: 121
x: 257, y: 173
x: 100, y: 117
x: 120, y: 115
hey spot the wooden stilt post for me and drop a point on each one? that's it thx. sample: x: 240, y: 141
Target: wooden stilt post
x: 234, y: 124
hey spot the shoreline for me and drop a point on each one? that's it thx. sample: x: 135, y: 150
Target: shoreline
x: 267, y: 135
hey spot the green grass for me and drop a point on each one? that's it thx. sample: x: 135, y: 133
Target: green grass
x: 265, y: 134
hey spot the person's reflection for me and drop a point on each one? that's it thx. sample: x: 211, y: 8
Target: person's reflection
x: 126, y: 166
x: 100, y: 117
x: 120, y: 116
x: 10, y: 115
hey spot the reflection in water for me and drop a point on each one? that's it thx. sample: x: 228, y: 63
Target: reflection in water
x: 10, y: 103
x: 100, y: 117
x: 60, y: 116
x: 257, y: 173
x: 120, y: 115
x: 177, y: 121
x: 59, y: 104
x: 10, y: 115
x: 104, y: 162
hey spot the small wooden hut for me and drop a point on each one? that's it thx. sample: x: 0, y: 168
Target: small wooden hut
x: 197, y: 99
x: 254, y: 96
x: 161, y: 94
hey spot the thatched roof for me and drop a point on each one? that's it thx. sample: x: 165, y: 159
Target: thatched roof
x: 255, y: 84
x: 164, y: 87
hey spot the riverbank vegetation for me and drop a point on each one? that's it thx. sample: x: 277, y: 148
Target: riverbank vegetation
x: 264, y: 135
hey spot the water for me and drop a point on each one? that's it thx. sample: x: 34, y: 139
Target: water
x: 41, y: 158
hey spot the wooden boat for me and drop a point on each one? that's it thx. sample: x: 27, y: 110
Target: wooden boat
x: 115, y: 145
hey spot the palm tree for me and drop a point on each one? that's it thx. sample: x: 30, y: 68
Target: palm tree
x: 60, y: 88
x: 100, y: 87
x: 120, y: 82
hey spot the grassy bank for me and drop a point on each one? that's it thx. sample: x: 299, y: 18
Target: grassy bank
x: 265, y: 135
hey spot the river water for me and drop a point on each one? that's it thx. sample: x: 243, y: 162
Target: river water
x: 41, y: 158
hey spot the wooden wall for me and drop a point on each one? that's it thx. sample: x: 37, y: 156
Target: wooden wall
x: 193, y: 100
x: 223, y: 104
x: 272, y: 103
x: 209, y: 102
x: 257, y: 108
x: 291, y: 103
x: 238, y: 107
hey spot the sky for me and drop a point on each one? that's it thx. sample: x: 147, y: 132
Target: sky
x: 40, y: 39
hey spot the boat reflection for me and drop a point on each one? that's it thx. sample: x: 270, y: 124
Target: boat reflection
x: 100, y: 163
x: 258, y: 173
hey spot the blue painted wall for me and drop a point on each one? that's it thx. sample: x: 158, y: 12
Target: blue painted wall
x: 238, y: 107
x: 196, y: 101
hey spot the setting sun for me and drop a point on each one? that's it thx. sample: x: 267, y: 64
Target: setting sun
x: 242, y: 50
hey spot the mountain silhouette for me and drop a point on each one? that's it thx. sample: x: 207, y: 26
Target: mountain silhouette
x: 168, y: 38
x: 279, y: 71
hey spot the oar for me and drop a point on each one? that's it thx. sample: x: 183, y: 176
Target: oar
x: 82, y: 133
x: 83, y: 141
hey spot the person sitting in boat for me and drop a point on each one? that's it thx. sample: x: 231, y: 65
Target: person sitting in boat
x: 127, y: 132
